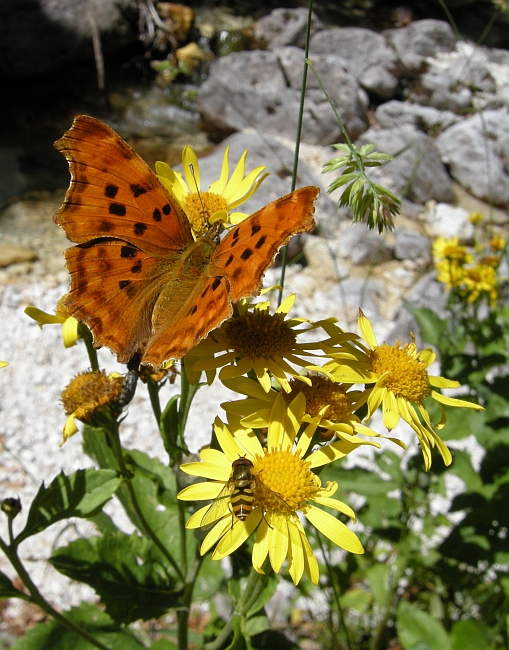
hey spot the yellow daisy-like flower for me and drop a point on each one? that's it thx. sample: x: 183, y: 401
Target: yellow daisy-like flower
x: 475, y: 218
x: 254, y: 340
x: 282, y: 483
x: 481, y: 282
x: 324, y: 407
x: 450, y: 249
x: 62, y: 316
x: 402, y: 383
x: 497, y: 244
x: 217, y: 204
x: 450, y: 273
x: 87, y: 395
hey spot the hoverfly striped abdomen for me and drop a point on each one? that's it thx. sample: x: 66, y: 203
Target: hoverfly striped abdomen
x: 242, y: 498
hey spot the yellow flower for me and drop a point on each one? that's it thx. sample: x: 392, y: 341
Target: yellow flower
x: 449, y: 249
x: 223, y: 195
x: 401, y: 385
x: 254, y: 340
x: 87, y: 395
x: 497, y: 244
x: 475, y: 217
x: 62, y: 316
x: 481, y: 282
x: 325, y: 406
x: 282, y: 483
x: 450, y: 273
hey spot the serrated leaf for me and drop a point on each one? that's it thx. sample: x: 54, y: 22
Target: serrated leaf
x: 125, y: 572
x: 81, y: 494
x: 53, y: 636
x: 417, y: 627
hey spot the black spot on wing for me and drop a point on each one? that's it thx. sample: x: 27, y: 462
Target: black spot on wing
x: 235, y: 237
x: 117, y: 209
x: 123, y: 284
x: 137, y: 190
x: 215, y: 284
x: 193, y: 310
x: 127, y: 251
x: 237, y: 273
x: 254, y: 229
x: 229, y: 260
x: 205, y: 291
x: 260, y: 242
x: 166, y: 209
x: 137, y: 267
x: 156, y: 215
x: 111, y: 191
x: 246, y: 254
x: 106, y: 226
x: 139, y: 228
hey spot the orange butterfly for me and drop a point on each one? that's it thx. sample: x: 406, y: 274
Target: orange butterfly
x: 137, y: 274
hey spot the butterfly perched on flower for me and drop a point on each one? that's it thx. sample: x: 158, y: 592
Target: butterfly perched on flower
x: 138, y: 276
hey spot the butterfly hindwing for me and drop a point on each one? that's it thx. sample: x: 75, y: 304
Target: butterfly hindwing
x: 249, y: 249
x: 114, y: 193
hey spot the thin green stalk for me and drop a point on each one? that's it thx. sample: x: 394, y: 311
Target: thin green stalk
x: 114, y: 438
x: 333, y: 582
x: 153, y: 393
x: 254, y: 587
x: 86, y: 335
x: 38, y: 599
x: 297, y: 141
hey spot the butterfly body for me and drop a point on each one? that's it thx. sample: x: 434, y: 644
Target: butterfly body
x: 138, y: 277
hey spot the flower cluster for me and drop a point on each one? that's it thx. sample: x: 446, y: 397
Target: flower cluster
x: 472, y: 275
x: 309, y: 391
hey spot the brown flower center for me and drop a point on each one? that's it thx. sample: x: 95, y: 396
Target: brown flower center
x: 407, y: 378
x: 258, y: 334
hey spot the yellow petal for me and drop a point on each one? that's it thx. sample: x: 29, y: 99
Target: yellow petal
x: 191, y: 169
x: 226, y: 440
x: 261, y: 547
x: 217, y: 187
x: 334, y: 529
x: 276, y: 432
x: 205, y: 470
x: 229, y: 192
x: 442, y: 382
x: 200, y: 491
x: 452, y: 401
x: 334, y: 503
x: 3, y: 364
x: 237, y: 535
x: 287, y: 304
x: 390, y: 411
x: 42, y: 317
x: 220, y: 529
x: 248, y: 442
x: 195, y: 519
x: 70, y: 332
x: 70, y: 428
x: 295, y: 554
x: 278, y: 542
x: 330, y: 453
x: 366, y: 329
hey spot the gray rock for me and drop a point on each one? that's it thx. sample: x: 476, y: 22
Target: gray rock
x: 285, y: 27
x: 425, y: 118
x: 363, y: 246
x: 416, y: 168
x: 15, y: 254
x: 411, y: 245
x: 447, y: 221
x: 453, y: 79
x: 421, y: 39
x: 262, y: 90
x: 369, y: 57
x: 477, y: 151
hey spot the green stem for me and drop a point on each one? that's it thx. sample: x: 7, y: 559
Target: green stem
x: 114, y: 437
x: 86, y: 335
x: 153, y: 393
x: 284, y: 261
x: 38, y: 599
x: 254, y: 587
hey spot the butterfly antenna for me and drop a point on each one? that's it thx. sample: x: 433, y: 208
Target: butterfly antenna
x: 191, y: 168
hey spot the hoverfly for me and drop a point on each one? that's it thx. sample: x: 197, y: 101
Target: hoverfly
x: 238, y: 496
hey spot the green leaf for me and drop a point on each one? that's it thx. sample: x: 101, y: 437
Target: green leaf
x: 378, y: 577
x: 53, y: 636
x: 416, y: 629
x: 269, y: 589
x: 469, y: 635
x: 124, y: 570
x: 169, y: 425
x: 8, y: 590
x: 357, y: 599
x: 163, y: 644
x: 81, y: 494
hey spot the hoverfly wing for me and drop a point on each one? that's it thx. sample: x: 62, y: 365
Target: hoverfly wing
x: 218, y: 508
